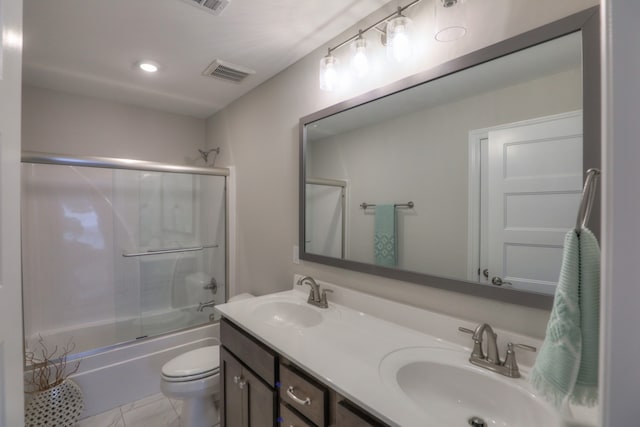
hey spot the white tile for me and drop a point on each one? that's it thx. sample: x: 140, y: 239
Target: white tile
x: 142, y: 402
x: 112, y: 418
x: 177, y: 405
x: 154, y: 413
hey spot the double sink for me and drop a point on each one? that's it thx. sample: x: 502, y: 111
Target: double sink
x: 431, y: 383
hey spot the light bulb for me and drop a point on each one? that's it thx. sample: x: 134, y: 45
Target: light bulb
x: 359, y: 60
x: 328, y: 73
x: 398, y: 38
x: 148, y: 66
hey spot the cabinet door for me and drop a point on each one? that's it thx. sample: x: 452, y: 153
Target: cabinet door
x: 232, y: 395
x: 348, y: 415
x: 261, y: 401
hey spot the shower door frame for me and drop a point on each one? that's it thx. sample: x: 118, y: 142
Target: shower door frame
x: 35, y: 157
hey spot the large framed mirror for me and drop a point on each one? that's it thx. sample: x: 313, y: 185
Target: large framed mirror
x: 464, y: 177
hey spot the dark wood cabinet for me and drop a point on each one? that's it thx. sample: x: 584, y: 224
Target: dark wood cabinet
x: 349, y: 415
x: 262, y: 389
x: 248, y: 400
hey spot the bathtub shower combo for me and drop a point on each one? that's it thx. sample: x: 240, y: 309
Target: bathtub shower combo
x: 126, y: 259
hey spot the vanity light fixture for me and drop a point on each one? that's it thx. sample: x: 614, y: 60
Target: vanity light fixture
x: 450, y: 16
x: 148, y: 66
x: 329, y: 72
x: 359, y: 60
x: 395, y: 36
x: 398, y: 37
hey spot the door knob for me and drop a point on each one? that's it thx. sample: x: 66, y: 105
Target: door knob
x: 497, y: 281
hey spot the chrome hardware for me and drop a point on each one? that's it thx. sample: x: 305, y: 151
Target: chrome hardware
x: 203, y: 305
x: 499, y: 282
x: 323, y: 299
x: 491, y: 361
x: 485, y: 273
x: 237, y: 379
x: 477, y: 422
x: 291, y: 393
x: 510, y: 363
x: 213, y: 285
x: 316, y: 298
x: 167, y: 251
x: 492, y: 344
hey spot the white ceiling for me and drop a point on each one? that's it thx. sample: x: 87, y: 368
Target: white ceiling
x: 91, y: 47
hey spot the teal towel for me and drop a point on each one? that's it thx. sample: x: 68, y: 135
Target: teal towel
x: 567, y: 365
x: 385, y: 249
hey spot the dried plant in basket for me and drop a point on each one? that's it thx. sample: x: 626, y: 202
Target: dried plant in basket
x: 49, y: 367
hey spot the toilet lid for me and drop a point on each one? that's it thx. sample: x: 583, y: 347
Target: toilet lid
x: 193, y: 363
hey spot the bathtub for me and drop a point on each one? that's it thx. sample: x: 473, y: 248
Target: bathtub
x: 124, y: 373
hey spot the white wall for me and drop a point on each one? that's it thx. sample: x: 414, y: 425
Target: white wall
x: 11, y: 354
x: 620, y: 340
x: 59, y: 122
x: 396, y: 160
x: 259, y: 135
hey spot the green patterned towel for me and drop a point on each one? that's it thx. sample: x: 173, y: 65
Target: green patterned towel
x: 384, y: 238
x: 567, y: 365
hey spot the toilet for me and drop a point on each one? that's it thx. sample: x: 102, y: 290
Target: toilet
x: 194, y: 378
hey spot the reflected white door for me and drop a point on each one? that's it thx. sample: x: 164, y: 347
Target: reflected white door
x: 11, y: 358
x: 535, y: 181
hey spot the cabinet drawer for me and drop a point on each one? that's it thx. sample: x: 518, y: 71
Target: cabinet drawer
x: 254, y: 354
x: 348, y: 415
x: 290, y: 419
x: 304, y: 394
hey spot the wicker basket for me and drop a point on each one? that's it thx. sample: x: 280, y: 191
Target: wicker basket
x: 59, y: 406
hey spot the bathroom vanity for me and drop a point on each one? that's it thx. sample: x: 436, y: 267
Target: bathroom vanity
x: 363, y: 361
x: 262, y: 388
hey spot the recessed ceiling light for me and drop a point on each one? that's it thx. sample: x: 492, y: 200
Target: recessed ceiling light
x: 148, y: 66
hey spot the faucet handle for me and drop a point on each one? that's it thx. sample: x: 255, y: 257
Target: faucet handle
x: 510, y: 362
x: 477, y: 344
x: 522, y: 346
x: 323, y: 298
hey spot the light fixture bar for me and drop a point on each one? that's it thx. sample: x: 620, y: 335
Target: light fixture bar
x: 397, y: 12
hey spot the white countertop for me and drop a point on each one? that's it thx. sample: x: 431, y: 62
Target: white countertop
x: 346, y: 349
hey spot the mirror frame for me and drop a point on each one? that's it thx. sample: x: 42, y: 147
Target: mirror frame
x: 587, y: 21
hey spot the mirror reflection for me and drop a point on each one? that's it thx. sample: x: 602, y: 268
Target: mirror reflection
x: 474, y: 176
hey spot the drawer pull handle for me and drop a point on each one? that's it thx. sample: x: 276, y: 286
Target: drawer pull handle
x: 291, y: 393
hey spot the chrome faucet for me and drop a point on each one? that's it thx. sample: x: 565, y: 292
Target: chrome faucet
x: 316, y: 298
x: 491, y: 361
x: 203, y: 305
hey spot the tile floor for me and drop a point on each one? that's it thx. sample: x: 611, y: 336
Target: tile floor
x: 152, y: 411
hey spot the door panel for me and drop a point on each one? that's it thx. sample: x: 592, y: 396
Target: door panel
x: 535, y: 181
x: 261, y: 402
x: 232, y: 405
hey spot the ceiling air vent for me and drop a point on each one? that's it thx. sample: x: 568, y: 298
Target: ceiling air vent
x: 212, y: 6
x: 226, y: 71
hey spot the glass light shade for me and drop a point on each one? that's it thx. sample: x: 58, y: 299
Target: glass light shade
x: 359, y: 60
x: 450, y: 20
x: 329, y: 73
x: 399, y: 38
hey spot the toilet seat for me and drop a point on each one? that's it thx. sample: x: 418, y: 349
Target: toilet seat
x: 193, y: 365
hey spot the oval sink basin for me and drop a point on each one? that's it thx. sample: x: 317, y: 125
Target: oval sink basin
x: 287, y: 314
x: 444, y: 388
